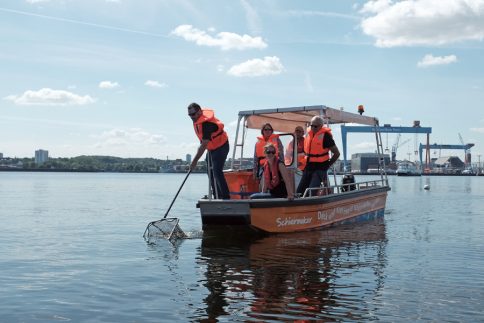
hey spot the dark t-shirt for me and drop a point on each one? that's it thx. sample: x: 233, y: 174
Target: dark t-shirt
x: 207, y: 129
x: 328, y: 142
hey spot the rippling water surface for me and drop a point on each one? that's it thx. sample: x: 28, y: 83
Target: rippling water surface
x: 71, y: 249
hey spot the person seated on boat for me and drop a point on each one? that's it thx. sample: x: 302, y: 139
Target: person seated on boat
x: 277, y: 180
x: 267, y: 136
x: 318, y: 144
x: 361, y: 109
x: 301, y: 157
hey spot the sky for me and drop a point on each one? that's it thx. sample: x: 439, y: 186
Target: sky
x: 114, y: 77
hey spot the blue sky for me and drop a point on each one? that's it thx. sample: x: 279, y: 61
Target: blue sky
x: 114, y: 77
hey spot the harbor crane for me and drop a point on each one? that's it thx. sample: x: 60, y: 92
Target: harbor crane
x: 465, y: 147
x: 467, y: 151
x: 397, y: 145
x: 387, y: 128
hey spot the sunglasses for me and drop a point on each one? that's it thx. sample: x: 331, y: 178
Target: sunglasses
x: 267, y: 129
x: 315, y: 126
x: 268, y: 152
x: 193, y: 114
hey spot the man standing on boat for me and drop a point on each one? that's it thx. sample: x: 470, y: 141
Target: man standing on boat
x: 317, y: 145
x: 210, y: 131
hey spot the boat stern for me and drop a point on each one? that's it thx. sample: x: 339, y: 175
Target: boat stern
x: 224, y: 212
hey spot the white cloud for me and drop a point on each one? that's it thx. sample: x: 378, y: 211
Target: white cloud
x: 257, y: 67
x: 364, y: 146
x: 430, y: 60
x: 479, y: 130
x: 315, y: 13
x: 376, y: 6
x: 133, y: 137
x: 36, y: 1
x: 424, y: 22
x: 156, y: 84
x: 224, y: 40
x: 47, y: 96
x: 252, y: 17
x: 108, y: 85
x: 308, y: 82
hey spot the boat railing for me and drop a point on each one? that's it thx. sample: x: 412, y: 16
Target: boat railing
x: 344, y: 188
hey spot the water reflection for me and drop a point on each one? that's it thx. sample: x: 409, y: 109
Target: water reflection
x: 328, y: 275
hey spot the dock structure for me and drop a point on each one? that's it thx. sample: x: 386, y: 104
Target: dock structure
x: 416, y: 129
x: 465, y: 147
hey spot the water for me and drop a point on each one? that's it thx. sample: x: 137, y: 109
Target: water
x: 71, y: 249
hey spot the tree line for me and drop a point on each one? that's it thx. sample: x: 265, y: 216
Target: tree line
x: 91, y: 164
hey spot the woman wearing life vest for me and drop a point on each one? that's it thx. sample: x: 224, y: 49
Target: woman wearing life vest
x: 210, y: 131
x: 268, y: 136
x: 301, y: 156
x: 317, y: 146
x: 276, y: 177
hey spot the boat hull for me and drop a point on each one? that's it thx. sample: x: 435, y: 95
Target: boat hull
x: 408, y: 174
x: 304, y: 214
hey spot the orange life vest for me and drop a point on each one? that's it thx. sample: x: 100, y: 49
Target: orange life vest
x: 219, y: 137
x: 260, y: 144
x: 301, y: 161
x: 313, y: 146
x: 301, y: 156
x: 271, y: 175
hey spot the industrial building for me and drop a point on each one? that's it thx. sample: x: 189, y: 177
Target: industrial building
x: 449, y: 164
x: 363, y: 162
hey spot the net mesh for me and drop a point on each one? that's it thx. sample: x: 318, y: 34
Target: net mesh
x: 167, y: 228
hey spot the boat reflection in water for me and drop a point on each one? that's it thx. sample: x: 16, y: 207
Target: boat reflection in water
x: 333, y: 274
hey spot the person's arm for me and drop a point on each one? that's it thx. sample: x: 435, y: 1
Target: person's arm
x: 200, y: 151
x: 289, y: 153
x: 328, y: 141
x: 255, y: 168
x: 287, y: 181
x: 265, y: 189
x: 334, y: 155
x: 280, y: 148
x: 207, y: 129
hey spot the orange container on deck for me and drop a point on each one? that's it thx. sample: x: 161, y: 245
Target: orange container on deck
x: 241, y: 184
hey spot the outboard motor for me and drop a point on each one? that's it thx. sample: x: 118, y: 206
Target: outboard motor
x: 348, y: 179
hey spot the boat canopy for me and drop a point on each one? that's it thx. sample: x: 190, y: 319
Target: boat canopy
x: 286, y: 119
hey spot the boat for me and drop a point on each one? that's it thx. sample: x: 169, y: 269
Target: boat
x: 342, y: 202
x: 407, y: 168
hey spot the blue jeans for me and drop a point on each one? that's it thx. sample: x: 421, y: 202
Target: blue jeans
x: 311, y: 179
x: 218, y: 182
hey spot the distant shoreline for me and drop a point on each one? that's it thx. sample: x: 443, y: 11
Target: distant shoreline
x: 90, y: 171
x: 178, y: 172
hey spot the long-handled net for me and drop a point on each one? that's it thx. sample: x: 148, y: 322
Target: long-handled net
x: 166, y: 228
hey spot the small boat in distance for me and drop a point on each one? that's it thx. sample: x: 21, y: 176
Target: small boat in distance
x: 345, y: 200
x: 407, y: 168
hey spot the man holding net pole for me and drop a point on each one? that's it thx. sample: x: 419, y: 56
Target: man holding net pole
x: 210, y: 131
